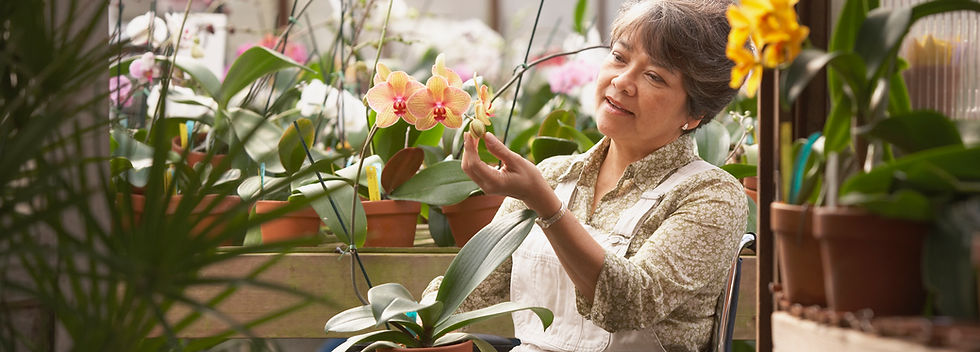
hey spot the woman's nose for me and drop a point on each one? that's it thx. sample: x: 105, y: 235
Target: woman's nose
x: 624, y: 82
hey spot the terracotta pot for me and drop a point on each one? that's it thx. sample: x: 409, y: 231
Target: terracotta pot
x: 466, y: 218
x: 466, y: 346
x: 195, y: 157
x: 800, y: 261
x: 870, y: 261
x: 302, y: 223
x: 224, y: 205
x: 391, y: 223
x: 751, y: 185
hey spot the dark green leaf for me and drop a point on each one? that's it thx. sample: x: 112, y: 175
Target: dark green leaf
x: 335, y: 210
x: 551, y: 127
x: 837, y: 129
x: 464, y: 319
x: 201, y: 74
x: 546, y: 147
x: 439, y: 228
x: 958, y: 161
x: 740, y: 171
x: 441, y: 184
x: 292, y: 154
x: 254, y: 63
x: 480, y: 256
x: 917, y: 131
x: 903, y: 204
x: 262, y: 145
x: 532, y: 104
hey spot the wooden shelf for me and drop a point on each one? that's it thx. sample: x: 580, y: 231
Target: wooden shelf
x: 790, y: 333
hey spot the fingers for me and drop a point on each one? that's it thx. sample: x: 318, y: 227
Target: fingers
x: 471, y: 163
x: 498, y: 149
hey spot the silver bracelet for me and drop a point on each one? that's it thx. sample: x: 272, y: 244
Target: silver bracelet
x: 546, y: 223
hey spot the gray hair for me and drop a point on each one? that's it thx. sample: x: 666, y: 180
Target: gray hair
x: 685, y: 36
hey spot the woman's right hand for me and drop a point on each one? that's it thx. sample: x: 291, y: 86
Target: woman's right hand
x: 517, y: 178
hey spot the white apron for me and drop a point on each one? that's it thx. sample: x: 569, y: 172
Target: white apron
x: 538, y: 279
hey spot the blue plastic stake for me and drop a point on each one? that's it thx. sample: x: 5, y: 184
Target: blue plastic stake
x: 797, y: 181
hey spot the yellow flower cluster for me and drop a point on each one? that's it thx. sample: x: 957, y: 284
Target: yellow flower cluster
x: 773, y: 27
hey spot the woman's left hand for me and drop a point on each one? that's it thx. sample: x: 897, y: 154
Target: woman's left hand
x: 518, y: 178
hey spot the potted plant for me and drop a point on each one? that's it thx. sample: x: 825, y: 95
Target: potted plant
x: 431, y: 321
x: 882, y: 190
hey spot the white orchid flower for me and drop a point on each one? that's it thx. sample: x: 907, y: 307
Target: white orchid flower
x: 181, y: 102
x: 311, y: 100
x: 138, y: 29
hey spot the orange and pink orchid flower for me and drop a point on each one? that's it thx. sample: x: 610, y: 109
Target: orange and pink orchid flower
x: 440, y: 102
x: 390, y: 95
x: 484, y: 106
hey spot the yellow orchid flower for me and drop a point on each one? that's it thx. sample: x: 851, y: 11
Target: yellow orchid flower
x: 440, y: 69
x: 389, y: 98
x: 438, y: 103
x: 772, y: 25
x: 745, y: 65
x: 484, y: 107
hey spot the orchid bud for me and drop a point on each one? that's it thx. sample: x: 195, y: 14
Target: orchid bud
x: 477, y: 128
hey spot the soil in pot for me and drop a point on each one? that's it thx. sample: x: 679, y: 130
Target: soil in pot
x: 870, y: 261
x: 466, y: 218
x: 303, y: 223
x: 800, y: 262
x: 195, y: 157
x: 391, y: 223
x: 466, y: 346
x: 223, y: 205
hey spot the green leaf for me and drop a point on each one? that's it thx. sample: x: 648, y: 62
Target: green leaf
x: 354, y: 319
x: 849, y: 67
x: 551, y: 127
x: 842, y: 40
x: 837, y: 129
x: 740, y: 170
x: 881, y: 31
x: 521, y: 144
x: 898, y: 94
x: 570, y: 132
x: 335, y: 210
x: 546, y: 147
x: 122, y: 67
x: 439, y: 228
x: 532, y: 104
x: 713, y: 143
x: 201, y: 74
x: 441, y: 184
x: 580, y: 7
x: 263, y: 145
x: 254, y: 63
x: 430, y: 136
x: 917, y: 131
x: 383, y: 335
x: 388, y: 141
x: 390, y: 300
x: 401, y: 167
x: 464, y: 319
x: 291, y: 150
x: 903, y: 204
x: 480, y: 256
x: 958, y: 161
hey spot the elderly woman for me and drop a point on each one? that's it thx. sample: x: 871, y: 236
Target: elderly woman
x: 635, y: 235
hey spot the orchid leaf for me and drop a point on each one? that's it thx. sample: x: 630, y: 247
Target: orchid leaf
x: 917, y: 131
x: 713, y: 143
x: 382, y: 297
x: 957, y: 160
x: 580, y: 7
x: 464, y: 319
x: 480, y: 256
x: 292, y: 153
x: 531, y: 104
x: 903, y: 204
x: 545, y: 147
x: 551, y: 126
x: 262, y: 145
x: 354, y: 319
x: 837, y: 129
x: 401, y: 167
x: 383, y: 335
x: 336, y: 208
x: 740, y: 171
x: 254, y: 63
x: 374, y: 346
x: 441, y: 184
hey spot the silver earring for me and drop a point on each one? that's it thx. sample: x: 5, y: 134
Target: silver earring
x: 684, y: 128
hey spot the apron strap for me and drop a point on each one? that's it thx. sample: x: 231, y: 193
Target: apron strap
x: 627, y: 224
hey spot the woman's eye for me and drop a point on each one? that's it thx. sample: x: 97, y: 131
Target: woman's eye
x: 654, y: 77
x: 618, y: 58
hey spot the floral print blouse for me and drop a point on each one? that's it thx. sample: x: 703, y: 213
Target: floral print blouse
x: 673, y: 272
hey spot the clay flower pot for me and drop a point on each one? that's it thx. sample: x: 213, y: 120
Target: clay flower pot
x: 195, y: 157
x: 466, y: 346
x: 800, y: 262
x: 466, y: 218
x: 391, y: 223
x: 751, y: 185
x: 302, y: 223
x: 871, y: 261
x: 224, y: 205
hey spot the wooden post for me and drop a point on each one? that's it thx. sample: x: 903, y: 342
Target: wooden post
x: 768, y: 137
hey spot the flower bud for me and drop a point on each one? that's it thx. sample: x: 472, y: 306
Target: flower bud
x: 477, y: 128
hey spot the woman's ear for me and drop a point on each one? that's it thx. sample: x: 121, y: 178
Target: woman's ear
x: 693, y: 122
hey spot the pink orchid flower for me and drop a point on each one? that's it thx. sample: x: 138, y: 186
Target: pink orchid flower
x: 390, y: 97
x: 438, y: 103
x: 144, y: 68
x: 119, y: 89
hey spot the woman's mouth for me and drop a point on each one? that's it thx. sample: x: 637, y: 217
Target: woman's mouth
x: 614, y: 105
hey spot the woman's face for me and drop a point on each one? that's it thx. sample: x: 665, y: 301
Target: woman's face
x: 640, y: 104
